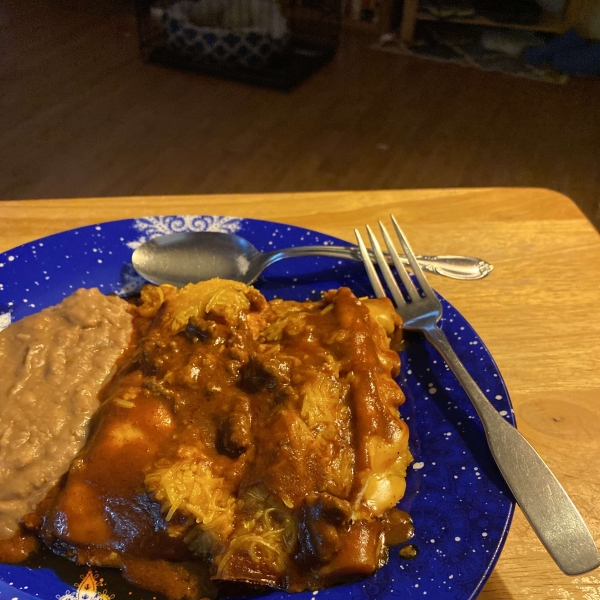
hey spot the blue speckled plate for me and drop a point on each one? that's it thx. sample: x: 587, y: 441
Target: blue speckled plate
x: 460, y: 506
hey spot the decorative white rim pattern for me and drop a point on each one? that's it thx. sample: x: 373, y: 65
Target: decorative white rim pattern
x: 5, y: 320
x: 151, y: 227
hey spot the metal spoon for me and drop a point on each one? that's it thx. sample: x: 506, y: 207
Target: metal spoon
x: 182, y: 258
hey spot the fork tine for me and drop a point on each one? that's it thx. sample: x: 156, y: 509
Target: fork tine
x: 373, y: 277
x: 414, y: 265
x: 385, y: 269
x: 411, y: 290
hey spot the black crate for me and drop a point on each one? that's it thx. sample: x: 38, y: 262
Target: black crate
x: 273, y: 43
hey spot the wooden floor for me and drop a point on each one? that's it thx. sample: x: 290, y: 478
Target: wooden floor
x: 81, y: 115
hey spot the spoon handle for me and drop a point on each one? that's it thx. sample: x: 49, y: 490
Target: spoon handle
x: 455, y: 267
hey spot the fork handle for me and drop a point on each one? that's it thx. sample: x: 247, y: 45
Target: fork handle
x: 543, y: 500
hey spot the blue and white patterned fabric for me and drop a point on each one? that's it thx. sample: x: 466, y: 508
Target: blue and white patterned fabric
x: 245, y: 32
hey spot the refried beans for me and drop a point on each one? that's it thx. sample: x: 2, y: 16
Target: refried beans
x: 54, y: 364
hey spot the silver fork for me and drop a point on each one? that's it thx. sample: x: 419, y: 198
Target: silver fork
x: 544, y: 502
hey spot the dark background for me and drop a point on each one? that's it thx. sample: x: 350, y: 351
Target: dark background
x: 82, y: 115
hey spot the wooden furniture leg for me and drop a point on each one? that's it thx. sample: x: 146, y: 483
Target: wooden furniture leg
x: 385, y: 16
x: 409, y: 20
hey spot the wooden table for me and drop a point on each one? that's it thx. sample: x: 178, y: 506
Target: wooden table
x: 538, y: 313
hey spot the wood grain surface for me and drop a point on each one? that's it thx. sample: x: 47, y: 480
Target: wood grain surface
x: 537, y: 313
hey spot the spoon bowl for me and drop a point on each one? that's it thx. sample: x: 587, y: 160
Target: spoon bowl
x: 182, y: 258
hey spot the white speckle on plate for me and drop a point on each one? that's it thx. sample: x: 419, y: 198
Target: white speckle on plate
x: 418, y: 465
